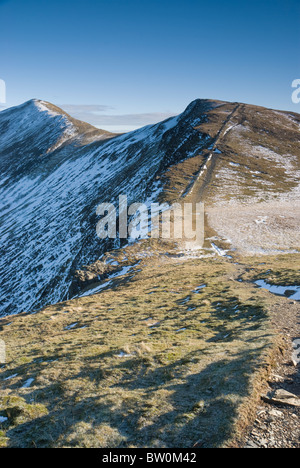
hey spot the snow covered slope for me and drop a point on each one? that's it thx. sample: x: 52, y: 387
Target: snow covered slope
x: 54, y: 173
x: 242, y: 160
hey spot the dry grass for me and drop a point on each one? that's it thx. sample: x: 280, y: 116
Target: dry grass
x: 153, y: 363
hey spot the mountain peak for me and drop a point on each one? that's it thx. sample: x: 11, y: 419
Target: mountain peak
x: 36, y: 115
x: 202, y: 105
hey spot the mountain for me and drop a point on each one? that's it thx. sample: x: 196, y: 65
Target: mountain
x: 153, y: 342
x: 56, y: 170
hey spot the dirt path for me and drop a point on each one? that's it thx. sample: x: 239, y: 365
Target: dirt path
x: 198, y: 185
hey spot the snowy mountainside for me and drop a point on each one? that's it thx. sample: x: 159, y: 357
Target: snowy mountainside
x: 243, y: 161
x: 52, y: 179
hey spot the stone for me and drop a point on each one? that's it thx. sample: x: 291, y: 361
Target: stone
x: 276, y: 414
x: 251, y: 445
x: 282, y: 397
x: 277, y: 378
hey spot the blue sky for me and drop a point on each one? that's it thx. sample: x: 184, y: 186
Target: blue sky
x: 131, y: 62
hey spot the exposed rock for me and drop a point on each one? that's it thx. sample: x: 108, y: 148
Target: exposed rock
x: 282, y: 397
x: 274, y: 414
x: 91, y: 274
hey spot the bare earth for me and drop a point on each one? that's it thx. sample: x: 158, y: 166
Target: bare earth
x: 262, y: 228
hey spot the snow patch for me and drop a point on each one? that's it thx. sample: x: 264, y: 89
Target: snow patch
x: 292, y: 292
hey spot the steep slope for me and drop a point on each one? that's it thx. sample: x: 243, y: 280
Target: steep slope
x: 242, y: 161
x: 53, y: 181
x: 259, y: 212
x: 249, y: 178
x: 31, y: 133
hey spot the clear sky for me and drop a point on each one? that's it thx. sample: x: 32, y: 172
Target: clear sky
x: 131, y: 62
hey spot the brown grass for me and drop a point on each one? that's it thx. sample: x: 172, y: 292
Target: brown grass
x: 151, y: 363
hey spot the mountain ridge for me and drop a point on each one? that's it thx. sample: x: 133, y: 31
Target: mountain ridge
x: 56, y: 171
x: 151, y: 343
x: 41, y: 188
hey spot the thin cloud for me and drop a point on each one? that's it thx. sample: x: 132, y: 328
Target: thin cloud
x: 94, y: 114
x: 79, y: 109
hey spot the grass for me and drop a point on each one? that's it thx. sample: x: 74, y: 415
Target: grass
x: 152, y: 363
x: 282, y: 270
